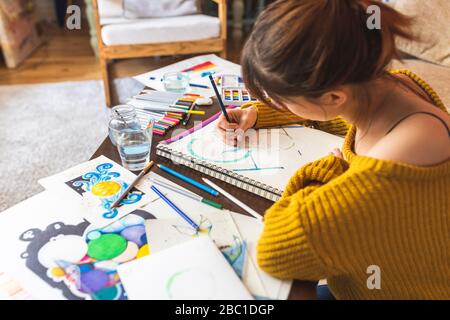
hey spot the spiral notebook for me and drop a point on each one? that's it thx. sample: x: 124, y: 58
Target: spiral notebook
x: 262, y: 165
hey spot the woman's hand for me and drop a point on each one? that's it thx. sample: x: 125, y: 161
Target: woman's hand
x: 241, y: 120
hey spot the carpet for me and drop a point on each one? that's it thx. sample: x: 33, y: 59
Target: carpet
x: 47, y: 128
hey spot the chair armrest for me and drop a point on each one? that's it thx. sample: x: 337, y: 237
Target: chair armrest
x: 222, y: 8
x: 98, y: 27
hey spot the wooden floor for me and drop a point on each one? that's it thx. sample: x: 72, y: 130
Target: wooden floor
x: 68, y: 56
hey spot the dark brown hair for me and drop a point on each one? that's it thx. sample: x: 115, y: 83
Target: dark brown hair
x: 307, y: 47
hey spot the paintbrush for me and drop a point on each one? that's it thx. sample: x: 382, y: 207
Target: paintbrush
x: 138, y: 178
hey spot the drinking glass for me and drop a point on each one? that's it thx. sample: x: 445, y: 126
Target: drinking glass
x: 135, y: 146
x: 122, y: 118
x: 176, y: 82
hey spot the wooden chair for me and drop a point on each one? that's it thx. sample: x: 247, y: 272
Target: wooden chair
x: 107, y: 53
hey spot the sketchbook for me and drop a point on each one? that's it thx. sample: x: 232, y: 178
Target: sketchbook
x: 262, y: 164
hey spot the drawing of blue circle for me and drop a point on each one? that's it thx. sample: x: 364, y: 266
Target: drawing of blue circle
x: 235, y: 150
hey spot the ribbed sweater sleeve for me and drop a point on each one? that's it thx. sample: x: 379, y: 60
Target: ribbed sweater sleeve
x: 335, y: 220
x: 283, y: 249
x: 269, y: 117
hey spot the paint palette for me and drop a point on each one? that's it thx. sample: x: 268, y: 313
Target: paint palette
x: 233, y: 91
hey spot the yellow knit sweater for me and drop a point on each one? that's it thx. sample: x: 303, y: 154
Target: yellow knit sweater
x: 336, y: 218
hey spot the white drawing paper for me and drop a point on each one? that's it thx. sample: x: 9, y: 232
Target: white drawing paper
x: 200, y: 67
x: 194, y: 270
x: 251, y: 230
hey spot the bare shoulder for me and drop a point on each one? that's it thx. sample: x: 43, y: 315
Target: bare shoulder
x: 420, y: 140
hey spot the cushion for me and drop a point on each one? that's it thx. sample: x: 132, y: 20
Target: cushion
x: 432, y: 26
x: 110, y: 8
x: 158, y: 30
x: 158, y: 8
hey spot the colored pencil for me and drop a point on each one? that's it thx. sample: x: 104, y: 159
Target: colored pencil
x: 233, y: 199
x: 193, y: 129
x: 174, y: 207
x: 171, y: 109
x: 194, y: 85
x: 188, y: 116
x: 127, y: 190
x: 188, y: 180
x: 186, y: 193
x: 222, y: 106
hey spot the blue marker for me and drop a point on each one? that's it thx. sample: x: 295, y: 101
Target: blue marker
x: 189, y: 180
x: 198, y: 85
x: 174, y: 207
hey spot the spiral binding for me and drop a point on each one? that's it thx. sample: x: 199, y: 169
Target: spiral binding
x: 220, y: 173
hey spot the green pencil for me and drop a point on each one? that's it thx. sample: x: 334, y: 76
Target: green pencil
x: 186, y: 193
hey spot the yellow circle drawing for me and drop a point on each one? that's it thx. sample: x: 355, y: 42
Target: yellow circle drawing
x: 105, y: 189
x: 58, y: 272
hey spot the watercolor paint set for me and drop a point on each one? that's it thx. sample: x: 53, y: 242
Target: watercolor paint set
x: 233, y: 91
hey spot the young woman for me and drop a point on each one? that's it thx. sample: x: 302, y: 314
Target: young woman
x: 383, y: 204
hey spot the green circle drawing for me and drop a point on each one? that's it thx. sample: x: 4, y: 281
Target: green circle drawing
x: 107, y: 246
x: 170, y: 281
x: 184, y: 279
x: 196, y: 155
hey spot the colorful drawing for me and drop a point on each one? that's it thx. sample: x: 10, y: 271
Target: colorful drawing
x: 235, y: 255
x: 82, y: 260
x: 104, y: 186
x: 201, y: 67
x: 92, y: 187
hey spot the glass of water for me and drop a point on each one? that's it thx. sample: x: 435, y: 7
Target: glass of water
x: 135, y: 146
x: 176, y: 82
x: 122, y: 118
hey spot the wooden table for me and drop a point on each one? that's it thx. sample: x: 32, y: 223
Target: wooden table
x: 301, y: 289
